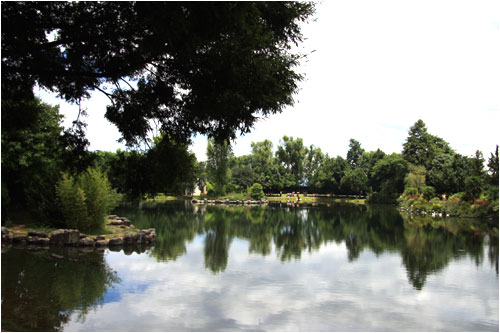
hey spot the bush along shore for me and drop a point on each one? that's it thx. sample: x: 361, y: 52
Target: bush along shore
x: 454, y: 206
x: 127, y: 235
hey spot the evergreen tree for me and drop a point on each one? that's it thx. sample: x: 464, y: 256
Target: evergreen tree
x: 354, y: 154
x: 493, y: 168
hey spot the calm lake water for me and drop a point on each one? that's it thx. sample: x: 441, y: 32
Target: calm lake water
x: 213, y: 268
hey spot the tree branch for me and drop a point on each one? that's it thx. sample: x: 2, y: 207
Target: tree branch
x: 108, y: 95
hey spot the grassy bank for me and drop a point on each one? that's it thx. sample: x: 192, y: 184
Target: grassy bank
x: 165, y: 197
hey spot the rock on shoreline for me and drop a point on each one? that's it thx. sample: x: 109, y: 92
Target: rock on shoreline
x: 73, y: 238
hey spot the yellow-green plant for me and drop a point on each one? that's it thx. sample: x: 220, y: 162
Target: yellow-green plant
x: 85, y: 201
x: 72, y: 204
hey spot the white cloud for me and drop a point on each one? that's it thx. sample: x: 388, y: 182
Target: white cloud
x: 322, y: 291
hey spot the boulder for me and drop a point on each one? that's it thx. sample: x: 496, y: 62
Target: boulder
x: 121, y: 221
x: 100, y: 237
x: 44, y: 241
x: 5, y: 231
x: 82, y: 236
x: 129, y: 238
x: 31, y: 240
x: 7, y: 238
x: 125, y: 221
x: 115, y: 241
x: 7, y: 235
x: 57, y: 237
x: 37, y: 234
x: 101, y: 243
x: 86, y: 242
x: 19, y: 239
x: 151, y: 235
x: 65, y: 237
x: 141, y: 237
x: 146, y: 236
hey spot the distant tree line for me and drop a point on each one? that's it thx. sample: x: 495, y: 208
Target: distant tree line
x: 427, y: 164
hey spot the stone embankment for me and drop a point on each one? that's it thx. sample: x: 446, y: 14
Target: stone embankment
x: 230, y: 202
x: 121, y: 222
x: 73, y: 238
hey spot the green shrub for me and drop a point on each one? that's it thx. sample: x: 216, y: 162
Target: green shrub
x: 410, y: 191
x: 71, y: 198
x: 85, y: 202
x: 256, y: 191
x: 99, y: 197
x: 437, y: 205
x: 210, y: 190
x: 231, y: 188
x: 421, y: 204
x: 429, y: 192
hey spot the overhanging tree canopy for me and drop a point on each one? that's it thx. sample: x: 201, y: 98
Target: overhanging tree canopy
x: 209, y: 68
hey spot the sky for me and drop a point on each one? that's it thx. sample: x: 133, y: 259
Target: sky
x: 373, y: 69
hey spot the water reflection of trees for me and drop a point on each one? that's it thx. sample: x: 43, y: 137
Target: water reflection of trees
x: 426, y: 245
x: 217, y: 240
x: 42, y: 292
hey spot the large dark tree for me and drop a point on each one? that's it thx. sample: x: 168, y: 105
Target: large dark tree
x: 291, y: 155
x: 421, y: 147
x: 192, y: 67
x: 31, y: 162
x: 354, y: 154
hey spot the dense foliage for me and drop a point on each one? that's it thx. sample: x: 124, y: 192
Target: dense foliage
x: 37, y: 156
x: 32, y: 157
x: 193, y: 67
x: 174, y: 68
x: 85, y: 201
x: 427, y: 167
